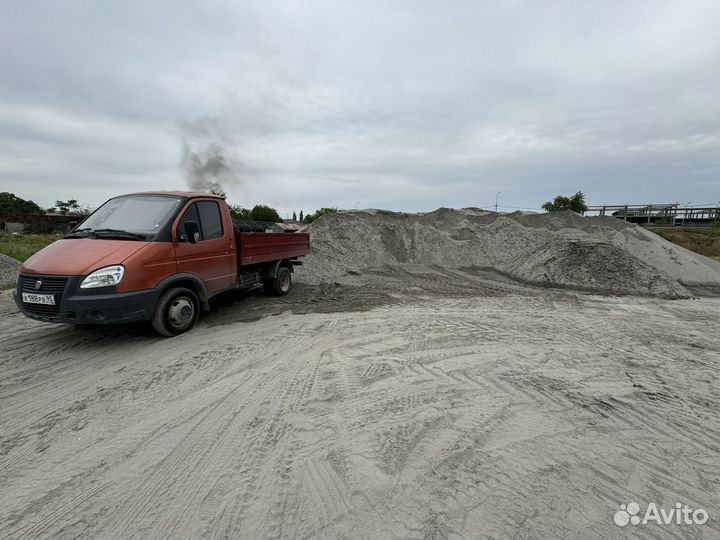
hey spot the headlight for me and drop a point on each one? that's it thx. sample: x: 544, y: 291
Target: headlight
x: 105, y: 277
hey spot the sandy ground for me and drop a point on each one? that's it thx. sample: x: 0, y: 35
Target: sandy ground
x: 428, y: 405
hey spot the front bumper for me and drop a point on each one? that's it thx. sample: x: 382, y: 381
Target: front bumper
x: 94, y: 306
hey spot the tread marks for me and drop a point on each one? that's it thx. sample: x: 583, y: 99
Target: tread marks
x: 451, y: 416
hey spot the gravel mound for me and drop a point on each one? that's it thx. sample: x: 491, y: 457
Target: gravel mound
x: 9, y: 269
x: 687, y: 267
x: 599, y: 267
x: 561, y: 249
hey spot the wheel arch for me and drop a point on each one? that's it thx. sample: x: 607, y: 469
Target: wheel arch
x: 192, y: 282
x: 272, y: 269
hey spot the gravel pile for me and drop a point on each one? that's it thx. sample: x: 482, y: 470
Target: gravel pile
x: 9, y: 269
x: 687, y: 267
x: 599, y: 267
x: 561, y: 249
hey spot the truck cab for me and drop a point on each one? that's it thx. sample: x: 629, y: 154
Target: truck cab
x: 158, y: 257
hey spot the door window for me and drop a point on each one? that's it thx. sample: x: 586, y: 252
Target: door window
x: 191, y: 214
x: 210, y: 220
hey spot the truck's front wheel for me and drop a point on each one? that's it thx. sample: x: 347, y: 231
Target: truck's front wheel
x: 176, y: 312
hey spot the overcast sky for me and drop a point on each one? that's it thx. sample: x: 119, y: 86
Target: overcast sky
x: 400, y: 105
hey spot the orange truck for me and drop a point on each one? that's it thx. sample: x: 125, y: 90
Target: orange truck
x: 156, y: 257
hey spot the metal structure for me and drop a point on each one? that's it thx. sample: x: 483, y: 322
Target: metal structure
x: 672, y: 214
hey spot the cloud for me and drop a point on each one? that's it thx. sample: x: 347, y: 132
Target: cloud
x: 404, y: 105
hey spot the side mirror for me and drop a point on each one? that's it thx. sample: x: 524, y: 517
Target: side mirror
x: 192, y: 231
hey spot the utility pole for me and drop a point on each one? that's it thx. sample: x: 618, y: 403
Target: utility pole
x: 496, y: 201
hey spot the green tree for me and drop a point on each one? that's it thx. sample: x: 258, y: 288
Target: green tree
x: 11, y: 204
x: 70, y: 206
x: 576, y: 203
x: 294, y: 216
x: 320, y: 213
x: 238, y: 212
x: 261, y: 212
x: 301, y: 215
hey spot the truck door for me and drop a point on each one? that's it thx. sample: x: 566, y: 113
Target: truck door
x: 213, y: 258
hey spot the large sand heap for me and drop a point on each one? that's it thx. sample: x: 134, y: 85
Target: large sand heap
x: 560, y: 249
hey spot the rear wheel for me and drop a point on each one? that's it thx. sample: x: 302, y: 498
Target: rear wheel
x: 176, y: 312
x: 280, y: 284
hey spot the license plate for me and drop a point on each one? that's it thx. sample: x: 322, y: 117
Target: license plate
x: 30, y: 298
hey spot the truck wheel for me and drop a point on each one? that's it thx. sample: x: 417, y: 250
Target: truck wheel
x: 176, y: 312
x: 281, y: 283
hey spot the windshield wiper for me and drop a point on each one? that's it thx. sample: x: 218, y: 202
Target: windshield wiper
x: 120, y: 232
x: 81, y: 233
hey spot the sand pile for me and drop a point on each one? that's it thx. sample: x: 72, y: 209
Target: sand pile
x: 9, y: 269
x: 687, y: 267
x: 599, y: 267
x: 561, y: 249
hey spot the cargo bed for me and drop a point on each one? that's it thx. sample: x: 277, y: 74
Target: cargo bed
x: 260, y: 247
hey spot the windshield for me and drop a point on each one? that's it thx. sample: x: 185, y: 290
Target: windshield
x: 141, y: 214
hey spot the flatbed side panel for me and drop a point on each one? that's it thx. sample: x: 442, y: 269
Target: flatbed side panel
x: 255, y: 248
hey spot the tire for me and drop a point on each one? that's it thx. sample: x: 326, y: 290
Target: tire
x: 280, y: 285
x: 176, y: 312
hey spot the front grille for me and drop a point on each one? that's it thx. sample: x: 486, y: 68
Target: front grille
x: 48, y: 285
x: 43, y: 285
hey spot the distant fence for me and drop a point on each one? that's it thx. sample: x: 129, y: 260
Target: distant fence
x: 660, y: 214
x: 39, y: 223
